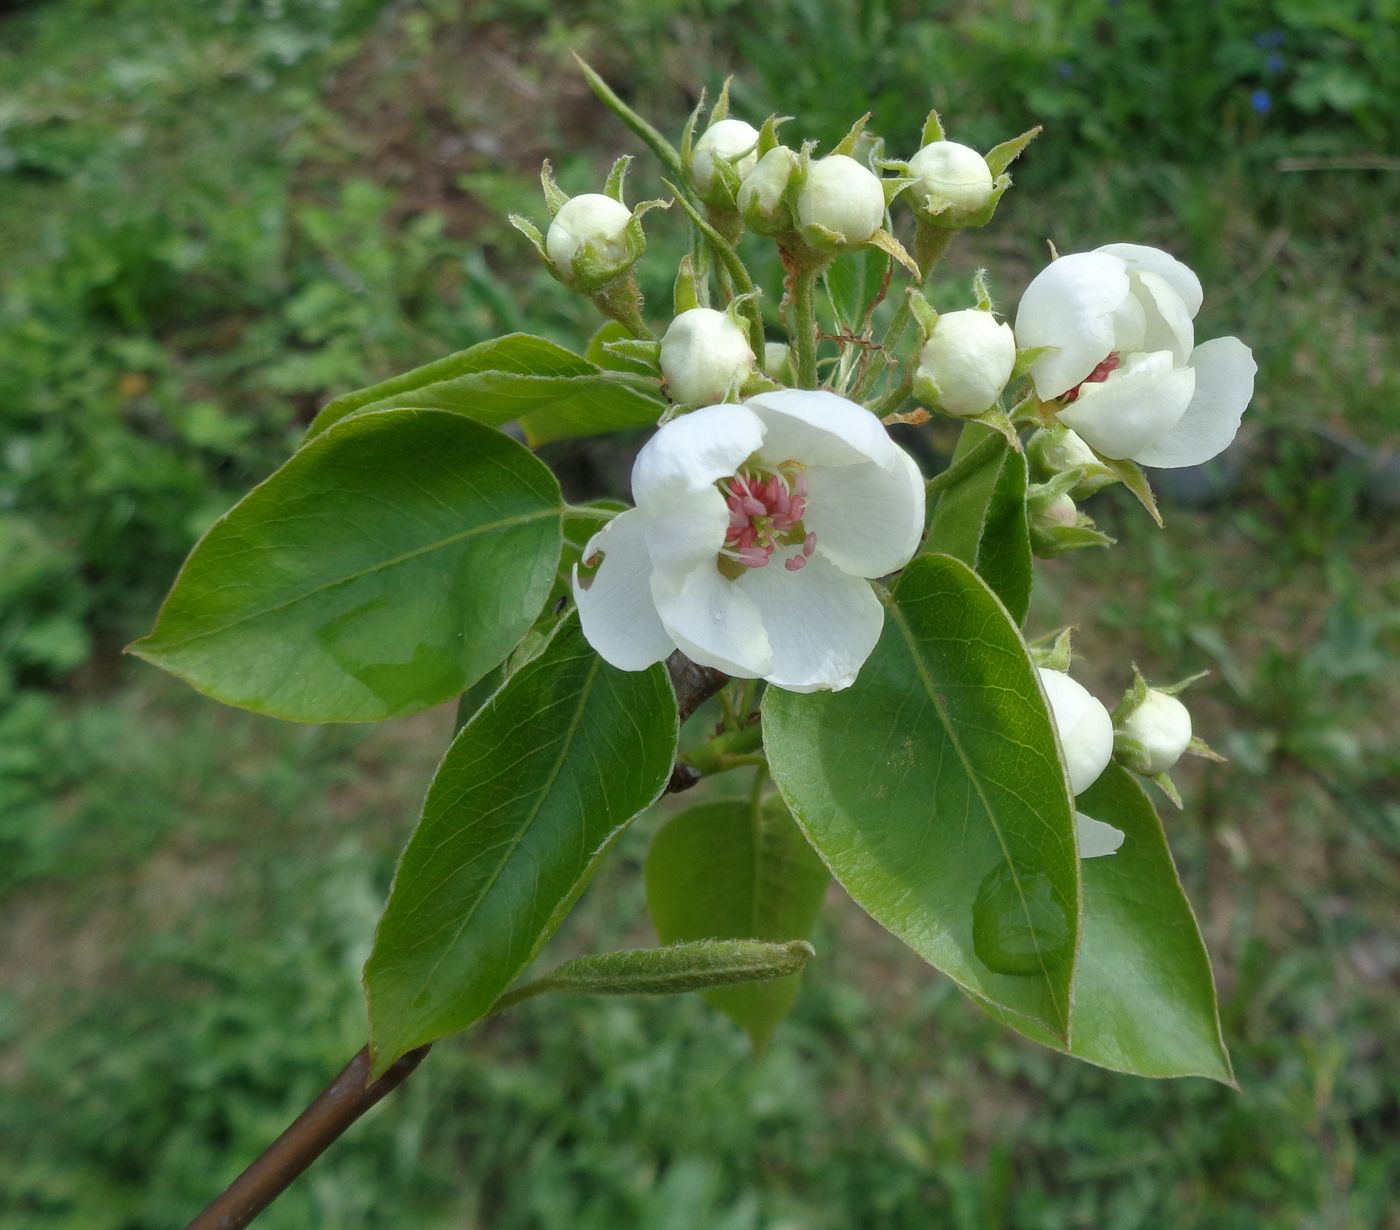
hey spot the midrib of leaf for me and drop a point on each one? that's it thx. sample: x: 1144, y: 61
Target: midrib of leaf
x: 566, y: 743
x: 382, y: 566
x: 901, y: 623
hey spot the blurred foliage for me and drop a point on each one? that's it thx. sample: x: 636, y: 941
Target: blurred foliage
x: 218, y: 215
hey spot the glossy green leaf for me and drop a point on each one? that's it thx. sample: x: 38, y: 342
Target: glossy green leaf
x: 719, y: 871
x: 552, y: 391
x: 670, y: 970
x: 933, y: 790
x: 387, y: 566
x: 1144, y: 998
x: 529, y: 797
x: 982, y: 520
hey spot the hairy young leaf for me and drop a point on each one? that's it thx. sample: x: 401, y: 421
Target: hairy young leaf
x: 853, y: 281
x: 982, y: 520
x: 671, y: 970
x: 552, y: 391
x: 529, y: 797
x: 388, y: 565
x: 1144, y: 998
x: 720, y: 871
x: 933, y: 790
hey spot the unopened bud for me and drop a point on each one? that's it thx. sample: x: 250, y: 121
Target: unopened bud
x: 1057, y: 450
x: 777, y: 362
x: 966, y: 362
x: 1154, y: 734
x: 705, y: 357
x: 725, y: 141
x: 841, y: 200
x: 951, y: 173
x: 762, y: 196
x: 592, y: 240
x: 1086, y: 730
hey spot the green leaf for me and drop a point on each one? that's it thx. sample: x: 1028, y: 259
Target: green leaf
x: 597, y: 354
x: 720, y: 871
x: 933, y: 790
x: 530, y: 796
x: 1144, y: 998
x: 853, y: 280
x: 671, y: 970
x: 387, y: 566
x: 552, y: 391
x: 982, y: 519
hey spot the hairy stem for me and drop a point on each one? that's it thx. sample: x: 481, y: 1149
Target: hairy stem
x: 804, y: 310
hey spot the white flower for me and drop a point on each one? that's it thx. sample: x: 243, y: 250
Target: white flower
x: 756, y: 529
x: 726, y: 140
x: 966, y: 361
x: 947, y: 171
x: 705, y: 357
x: 1124, y: 357
x: 1155, y: 734
x: 1086, y: 737
x: 594, y: 219
x: 843, y: 197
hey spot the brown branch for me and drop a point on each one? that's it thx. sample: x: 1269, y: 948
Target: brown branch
x: 317, y: 1127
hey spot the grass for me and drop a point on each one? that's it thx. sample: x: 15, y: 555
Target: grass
x: 218, y: 215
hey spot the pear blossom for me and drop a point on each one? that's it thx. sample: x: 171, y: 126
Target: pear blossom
x: 843, y: 198
x: 966, y: 362
x: 1123, y: 360
x: 727, y: 140
x: 952, y: 173
x: 1086, y: 738
x: 705, y: 357
x: 600, y: 223
x: 1155, y: 733
x: 756, y: 531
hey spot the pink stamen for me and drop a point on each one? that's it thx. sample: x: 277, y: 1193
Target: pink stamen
x: 796, y: 563
x: 1097, y: 376
x: 765, y: 512
x: 809, y: 544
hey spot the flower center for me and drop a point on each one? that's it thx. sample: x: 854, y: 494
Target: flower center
x: 766, y: 506
x: 1097, y: 376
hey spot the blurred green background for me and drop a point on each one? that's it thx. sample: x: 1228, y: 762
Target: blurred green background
x: 215, y: 215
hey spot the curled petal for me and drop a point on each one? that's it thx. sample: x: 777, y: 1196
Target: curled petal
x: 618, y: 616
x: 1166, y: 320
x: 1070, y: 305
x: 1224, y: 370
x: 820, y: 429
x: 1136, y: 405
x: 713, y: 621
x: 693, y: 451
x: 867, y: 520
x: 1095, y: 838
x: 1153, y: 260
x: 822, y: 624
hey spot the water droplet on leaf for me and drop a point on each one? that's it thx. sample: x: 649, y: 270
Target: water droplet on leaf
x: 1018, y: 927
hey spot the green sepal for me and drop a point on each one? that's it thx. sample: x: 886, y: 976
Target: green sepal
x: 721, y: 107
x: 999, y: 157
x: 532, y: 233
x: 1054, y: 651
x: 768, y: 135
x: 932, y: 130
x: 888, y: 244
x: 555, y: 198
x: 848, y: 144
x: 617, y: 176
x: 1026, y: 357
x: 982, y: 294
x: 1130, y: 474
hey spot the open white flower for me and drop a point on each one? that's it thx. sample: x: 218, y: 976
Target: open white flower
x: 1124, y: 360
x: 1086, y: 737
x: 756, y: 530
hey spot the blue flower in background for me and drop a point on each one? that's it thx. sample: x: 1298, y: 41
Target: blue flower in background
x: 1262, y: 101
x: 1269, y: 39
x: 1273, y: 63
x: 1065, y: 70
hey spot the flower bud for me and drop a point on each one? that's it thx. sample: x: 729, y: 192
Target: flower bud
x: 1056, y: 450
x: 777, y: 362
x: 843, y: 199
x: 705, y: 357
x: 947, y: 171
x: 1086, y: 730
x: 593, y: 240
x: 1154, y: 734
x: 762, y: 195
x: 966, y: 362
x: 724, y: 140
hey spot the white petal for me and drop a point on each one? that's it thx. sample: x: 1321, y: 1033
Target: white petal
x: 618, y: 616
x: 821, y: 623
x: 868, y: 520
x: 1085, y: 728
x: 1164, y: 265
x: 713, y: 621
x: 819, y: 428
x: 693, y: 451
x: 687, y: 530
x: 1070, y: 305
x: 1167, y: 323
x: 1224, y: 370
x: 1136, y: 405
x: 1095, y: 837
